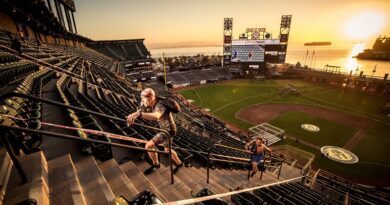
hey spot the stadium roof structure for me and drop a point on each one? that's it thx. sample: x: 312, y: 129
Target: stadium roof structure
x: 139, y: 40
x: 125, y: 50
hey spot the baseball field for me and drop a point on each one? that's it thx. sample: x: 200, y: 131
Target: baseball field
x: 347, y: 118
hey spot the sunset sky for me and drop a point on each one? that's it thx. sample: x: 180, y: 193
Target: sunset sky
x: 200, y: 22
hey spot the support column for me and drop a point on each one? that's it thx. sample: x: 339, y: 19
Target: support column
x: 70, y: 27
x: 49, y: 5
x: 58, y: 12
x: 74, y: 23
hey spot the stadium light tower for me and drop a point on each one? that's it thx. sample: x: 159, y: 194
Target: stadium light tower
x: 284, y: 33
x: 227, y: 40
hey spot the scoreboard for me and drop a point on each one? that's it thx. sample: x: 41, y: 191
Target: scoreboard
x: 254, y: 50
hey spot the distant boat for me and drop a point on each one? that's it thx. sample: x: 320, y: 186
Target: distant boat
x: 321, y: 43
x: 380, y: 50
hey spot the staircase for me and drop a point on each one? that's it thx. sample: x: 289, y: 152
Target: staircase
x: 87, y: 181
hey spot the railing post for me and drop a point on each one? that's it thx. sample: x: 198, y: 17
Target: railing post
x: 208, y: 164
x: 280, y: 169
x: 261, y: 173
x: 5, y: 139
x: 170, y: 157
x: 250, y: 167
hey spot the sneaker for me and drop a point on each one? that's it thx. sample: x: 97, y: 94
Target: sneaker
x: 152, y: 169
x: 253, y: 174
x: 177, y: 168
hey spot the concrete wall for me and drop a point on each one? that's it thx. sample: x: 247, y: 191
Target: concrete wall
x: 7, y: 23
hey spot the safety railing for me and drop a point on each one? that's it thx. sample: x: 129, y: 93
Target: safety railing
x: 228, y: 159
x: 51, y: 102
x: 224, y: 156
x: 272, y: 159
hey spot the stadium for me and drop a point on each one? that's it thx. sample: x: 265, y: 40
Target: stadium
x: 66, y: 137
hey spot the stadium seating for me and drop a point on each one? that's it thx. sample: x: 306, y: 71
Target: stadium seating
x: 338, y: 188
x: 179, y: 79
x: 99, y: 89
x: 127, y: 50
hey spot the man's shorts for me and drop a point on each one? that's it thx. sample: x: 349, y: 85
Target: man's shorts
x: 161, y: 137
x: 257, y: 158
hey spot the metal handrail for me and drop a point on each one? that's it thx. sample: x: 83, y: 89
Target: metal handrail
x: 279, y: 160
x: 71, y: 137
x: 214, y: 159
x: 35, y: 98
x: 15, y: 160
x: 39, y: 99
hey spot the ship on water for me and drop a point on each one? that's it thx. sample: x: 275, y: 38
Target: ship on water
x: 380, y: 50
x: 322, y: 43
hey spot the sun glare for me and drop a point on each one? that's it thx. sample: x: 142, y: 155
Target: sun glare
x: 364, y: 25
x: 352, y: 63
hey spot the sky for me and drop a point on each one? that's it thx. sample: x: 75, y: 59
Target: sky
x: 168, y: 23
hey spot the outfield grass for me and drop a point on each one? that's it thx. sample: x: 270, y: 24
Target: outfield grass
x: 375, y: 146
x: 331, y: 133
x: 226, y: 98
x: 360, y: 172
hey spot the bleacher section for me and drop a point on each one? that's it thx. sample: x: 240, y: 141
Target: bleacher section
x: 125, y: 50
x: 95, y: 173
x: 141, y: 76
x: 338, y: 188
x: 196, y: 77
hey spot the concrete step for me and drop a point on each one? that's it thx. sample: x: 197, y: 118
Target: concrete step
x: 161, y: 182
x: 139, y: 180
x: 240, y: 177
x: 35, y: 190
x: 220, y: 179
x: 35, y: 167
x: 227, y: 177
x: 5, y: 172
x: 288, y: 171
x: 186, y: 176
x: 117, y: 179
x: 213, y: 185
x: 179, y: 186
x: 95, y: 187
x: 266, y: 179
x: 64, y: 184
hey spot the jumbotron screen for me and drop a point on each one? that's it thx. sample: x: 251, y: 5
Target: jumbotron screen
x: 250, y: 50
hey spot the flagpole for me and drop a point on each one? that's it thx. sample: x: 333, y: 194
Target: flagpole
x: 311, y: 60
x: 307, y: 52
x: 165, y: 72
x: 314, y: 64
x: 373, y: 71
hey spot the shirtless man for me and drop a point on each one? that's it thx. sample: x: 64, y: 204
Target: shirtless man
x: 257, y: 148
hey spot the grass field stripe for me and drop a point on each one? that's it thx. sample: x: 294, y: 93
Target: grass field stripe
x: 237, y: 101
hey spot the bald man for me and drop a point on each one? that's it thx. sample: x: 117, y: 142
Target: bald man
x: 166, y: 122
